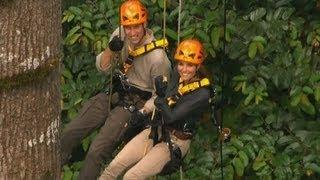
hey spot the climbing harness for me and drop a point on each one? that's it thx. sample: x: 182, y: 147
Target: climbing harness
x: 149, y: 47
x: 184, y: 89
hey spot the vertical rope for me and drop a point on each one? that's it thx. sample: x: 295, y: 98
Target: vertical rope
x: 112, y: 65
x: 179, y: 20
x: 222, y: 77
x: 164, y: 18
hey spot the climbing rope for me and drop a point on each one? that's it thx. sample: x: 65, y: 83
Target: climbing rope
x: 112, y: 66
x: 222, y: 130
x: 179, y: 20
x: 164, y: 19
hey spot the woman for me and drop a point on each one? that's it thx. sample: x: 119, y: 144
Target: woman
x: 186, y: 97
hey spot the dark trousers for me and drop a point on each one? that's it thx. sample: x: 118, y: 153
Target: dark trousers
x: 114, y: 126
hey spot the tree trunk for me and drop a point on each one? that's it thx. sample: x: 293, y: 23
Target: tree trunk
x: 30, y: 37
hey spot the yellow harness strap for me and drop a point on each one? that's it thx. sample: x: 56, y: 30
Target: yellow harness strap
x: 188, y: 88
x: 144, y: 49
x: 149, y: 47
x: 193, y: 86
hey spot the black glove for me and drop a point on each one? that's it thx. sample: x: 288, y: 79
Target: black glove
x: 157, y: 120
x: 138, y: 119
x: 161, y: 86
x: 160, y: 102
x: 116, y: 44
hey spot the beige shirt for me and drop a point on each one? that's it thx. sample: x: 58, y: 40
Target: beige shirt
x: 145, y: 67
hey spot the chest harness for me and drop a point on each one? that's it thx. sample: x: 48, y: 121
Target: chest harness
x: 120, y: 76
x: 162, y: 43
x: 185, y: 89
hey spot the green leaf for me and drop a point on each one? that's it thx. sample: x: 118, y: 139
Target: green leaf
x: 257, y: 14
x: 65, y: 18
x: 252, y: 50
x: 295, y: 100
x: 314, y: 78
x: 248, y: 149
x: 270, y: 118
x: 238, y: 166
x: 246, y: 137
x: 187, y: 32
x: 258, y: 164
x: 244, y: 158
x: 249, y: 98
x: 77, y: 11
x: 75, y: 175
x: 285, y: 140
x: 282, y: 2
x: 77, y: 165
x: 73, y: 38
x: 266, y: 141
x: 160, y: 3
x: 277, y: 13
x: 229, y: 172
x: 237, y: 143
x: 98, y: 46
x: 77, y: 101
x: 260, y: 39
x: 229, y: 150
x: 85, y: 41
x: 314, y: 167
x: 100, y: 22
x: 67, y: 174
x: 202, y: 35
x: 307, y: 90
x: 70, y: 18
x: 85, y: 143
x: 287, y: 13
x: 306, y: 106
x: 295, y: 90
x: 172, y: 34
x: 215, y: 35
x: 260, y: 47
x: 317, y: 93
x: 66, y: 73
x: 254, y: 132
x: 73, y: 30
x: 239, y: 78
x: 262, y: 82
x: 86, y: 24
x: 88, y: 33
x: 72, y: 113
x: 309, y: 158
x: 102, y: 6
x: 105, y: 42
x: 293, y: 146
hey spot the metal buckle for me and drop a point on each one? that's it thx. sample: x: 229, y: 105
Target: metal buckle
x: 130, y: 108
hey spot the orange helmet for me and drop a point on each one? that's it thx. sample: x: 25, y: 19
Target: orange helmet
x: 190, y: 50
x: 132, y: 12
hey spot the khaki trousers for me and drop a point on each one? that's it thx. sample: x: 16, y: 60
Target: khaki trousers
x: 146, y: 160
x: 114, y: 129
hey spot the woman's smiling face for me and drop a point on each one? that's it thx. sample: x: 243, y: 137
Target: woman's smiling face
x: 186, y: 70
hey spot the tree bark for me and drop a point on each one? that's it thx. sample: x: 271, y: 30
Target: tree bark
x: 30, y: 53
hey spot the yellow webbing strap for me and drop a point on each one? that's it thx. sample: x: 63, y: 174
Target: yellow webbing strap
x: 149, y: 47
x: 193, y: 86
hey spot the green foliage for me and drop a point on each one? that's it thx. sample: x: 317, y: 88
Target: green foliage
x: 270, y: 80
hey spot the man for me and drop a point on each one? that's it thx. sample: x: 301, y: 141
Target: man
x: 130, y: 102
